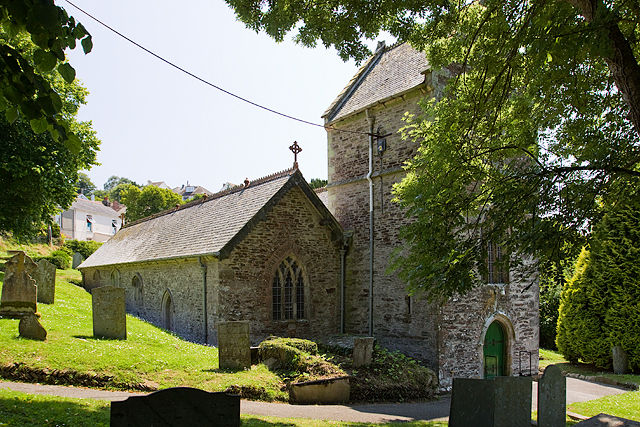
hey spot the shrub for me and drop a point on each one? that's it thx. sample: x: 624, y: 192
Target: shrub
x: 85, y: 248
x: 59, y: 258
x: 599, y: 307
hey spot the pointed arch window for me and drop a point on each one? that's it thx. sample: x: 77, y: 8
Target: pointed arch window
x: 288, y: 291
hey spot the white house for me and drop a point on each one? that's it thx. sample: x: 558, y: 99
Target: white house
x: 89, y: 220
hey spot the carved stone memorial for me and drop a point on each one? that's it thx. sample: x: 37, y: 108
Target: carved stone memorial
x: 177, y: 407
x: 498, y: 402
x: 76, y: 260
x: 19, y: 291
x: 362, y: 351
x: 45, y: 276
x: 552, y: 398
x: 109, y: 312
x: 620, y: 360
x: 234, y: 347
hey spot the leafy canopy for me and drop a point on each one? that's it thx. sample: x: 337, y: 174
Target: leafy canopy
x: 25, y: 86
x: 148, y: 201
x: 537, y: 126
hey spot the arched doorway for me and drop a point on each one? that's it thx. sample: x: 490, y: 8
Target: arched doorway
x: 494, y: 351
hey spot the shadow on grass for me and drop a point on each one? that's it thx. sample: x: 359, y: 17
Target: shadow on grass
x: 19, y: 409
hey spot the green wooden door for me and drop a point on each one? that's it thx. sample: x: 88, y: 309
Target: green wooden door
x: 494, y: 346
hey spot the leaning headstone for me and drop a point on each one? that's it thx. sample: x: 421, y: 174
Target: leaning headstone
x: 552, y: 398
x: 19, y: 291
x: 180, y: 406
x: 30, y: 327
x: 497, y: 402
x: 620, y: 360
x: 45, y: 276
x: 109, y: 312
x: 362, y: 351
x: 76, y: 260
x: 234, y: 346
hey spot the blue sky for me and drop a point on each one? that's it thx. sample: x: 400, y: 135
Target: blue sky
x: 158, y: 124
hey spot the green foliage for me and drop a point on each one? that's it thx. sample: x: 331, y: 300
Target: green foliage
x: 60, y: 258
x: 114, y: 181
x: 537, y: 124
x: 55, y: 230
x: 84, y: 184
x: 621, y: 405
x: 25, y: 77
x: 148, y: 201
x: 318, y: 183
x: 599, y: 307
x: 85, y: 248
x: 552, y: 280
x: 38, y: 172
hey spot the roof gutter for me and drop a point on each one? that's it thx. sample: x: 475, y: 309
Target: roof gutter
x: 212, y: 254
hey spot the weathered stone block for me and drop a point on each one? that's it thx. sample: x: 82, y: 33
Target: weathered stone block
x: 234, y: 344
x: 76, y: 260
x: 331, y: 391
x: 109, y: 313
x: 45, y: 276
x: 552, y: 398
x: 30, y: 327
x: 180, y: 406
x: 620, y: 360
x: 362, y: 351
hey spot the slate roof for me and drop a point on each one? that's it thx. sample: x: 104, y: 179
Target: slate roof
x: 390, y: 72
x: 209, y: 226
x: 96, y: 208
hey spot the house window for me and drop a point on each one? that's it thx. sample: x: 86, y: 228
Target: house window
x: 89, y: 223
x: 288, y: 291
x: 497, y: 265
x: 114, y: 226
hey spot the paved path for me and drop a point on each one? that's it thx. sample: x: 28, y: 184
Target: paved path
x: 577, y: 391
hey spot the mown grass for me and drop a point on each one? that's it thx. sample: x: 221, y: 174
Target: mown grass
x: 149, y: 354
x: 549, y: 357
x: 21, y: 409
x: 625, y: 405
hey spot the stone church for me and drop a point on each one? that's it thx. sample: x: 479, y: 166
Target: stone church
x: 299, y: 263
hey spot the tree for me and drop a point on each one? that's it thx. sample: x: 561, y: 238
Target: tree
x: 38, y: 173
x: 537, y: 126
x: 84, y: 184
x: 114, y: 181
x: 25, y: 79
x: 317, y: 183
x: 599, y: 306
x: 148, y: 201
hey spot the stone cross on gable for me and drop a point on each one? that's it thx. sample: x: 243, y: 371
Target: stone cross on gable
x: 295, y: 148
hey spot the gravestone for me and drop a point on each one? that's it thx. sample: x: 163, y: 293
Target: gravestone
x: 45, y: 276
x: 19, y: 291
x: 362, y: 351
x: 76, y: 260
x: 552, y: 398
x: 604, y: 420
x: 109, y: 312
x: 234, y: 350
x: 620, y: 360
x: 30, y: 327
x: 497, y: 402
x: 179, y: 407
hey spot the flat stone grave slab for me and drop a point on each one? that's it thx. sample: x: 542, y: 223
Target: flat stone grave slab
x: 177, y: 407
x: 109, y: 312
x: 604, y: 420
x: 234, y: 346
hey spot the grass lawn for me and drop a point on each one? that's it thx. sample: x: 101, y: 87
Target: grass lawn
x: 625, y: 405
x: 148, y: 354
x: 20, y: 409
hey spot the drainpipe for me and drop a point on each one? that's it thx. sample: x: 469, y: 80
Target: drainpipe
x: 371, y: 120
x: 203, y: 269
x: 343, y: 253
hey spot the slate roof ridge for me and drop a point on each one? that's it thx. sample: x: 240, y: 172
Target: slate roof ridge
x: 218, y: 195
x: 320, y: 189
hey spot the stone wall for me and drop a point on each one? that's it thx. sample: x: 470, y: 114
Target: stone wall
x: 447, y: 339
x: 239, y: 287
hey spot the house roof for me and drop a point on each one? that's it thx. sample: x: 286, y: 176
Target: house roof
x: 209, y: 226
x: 391, y: 71
x: 197, y: 189
x: 323, y: 195
x: 94, y: 208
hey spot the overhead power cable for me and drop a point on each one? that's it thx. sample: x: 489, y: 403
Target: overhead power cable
x: 207, y: 82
